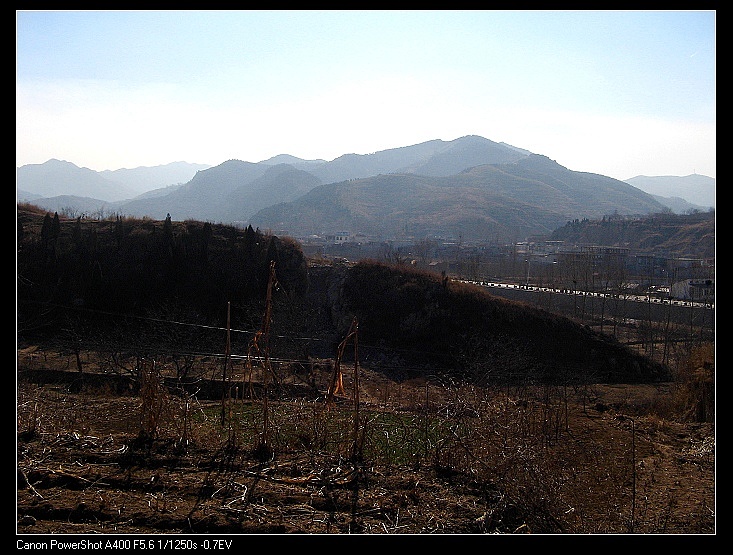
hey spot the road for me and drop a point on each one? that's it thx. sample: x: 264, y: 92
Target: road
x: 627, y: 308
x: 634, y: 298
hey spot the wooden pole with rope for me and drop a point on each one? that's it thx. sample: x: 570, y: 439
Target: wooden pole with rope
x: 266, y: 321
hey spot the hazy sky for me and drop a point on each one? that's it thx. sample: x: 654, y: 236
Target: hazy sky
x: 619, y: 93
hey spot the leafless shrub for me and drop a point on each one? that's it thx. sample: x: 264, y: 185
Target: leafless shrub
x: 153, y: 401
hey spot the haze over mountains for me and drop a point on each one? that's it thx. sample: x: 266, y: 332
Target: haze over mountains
x: 59, y: 177
x: 694, y: 189
x: 470, y: 187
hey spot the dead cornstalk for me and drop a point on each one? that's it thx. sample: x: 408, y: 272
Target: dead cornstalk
x: 337, y: 384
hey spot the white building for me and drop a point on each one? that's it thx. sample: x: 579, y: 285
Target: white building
x: 338, y: 238
x: 697, y: 290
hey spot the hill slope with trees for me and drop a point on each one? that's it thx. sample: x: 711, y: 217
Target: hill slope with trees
x: 689, y: 235
x: 136, y: 267
x: 84, y: 275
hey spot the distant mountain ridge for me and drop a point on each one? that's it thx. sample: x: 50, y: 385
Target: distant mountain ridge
x: 147, y: 178
x: 468, y: 187
x: 61, y: 178
x: 433, y: 158
x: 696, y: 189
x: 680, y: 206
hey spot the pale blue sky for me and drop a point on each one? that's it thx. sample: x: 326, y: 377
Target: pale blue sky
x: 620, y: 93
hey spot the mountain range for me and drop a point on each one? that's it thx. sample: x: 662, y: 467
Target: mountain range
x: 470, y: 187
x: 62, y: 178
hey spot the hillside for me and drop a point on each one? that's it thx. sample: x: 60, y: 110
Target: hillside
x: 130, y: 267
x: 202, y: 198
x: 439, y: 325
x: 281, y: 183
x: 684, y: 236
x: 496, y: 202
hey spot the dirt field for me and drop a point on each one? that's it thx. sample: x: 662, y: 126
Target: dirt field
x: 597, y: 463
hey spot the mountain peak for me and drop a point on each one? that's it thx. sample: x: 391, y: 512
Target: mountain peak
x: 58, y: 163
x: 289, y: 159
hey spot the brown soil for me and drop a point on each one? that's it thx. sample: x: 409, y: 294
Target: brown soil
x: 83, y: 466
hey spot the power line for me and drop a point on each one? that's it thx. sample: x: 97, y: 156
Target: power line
x: 242, y: 331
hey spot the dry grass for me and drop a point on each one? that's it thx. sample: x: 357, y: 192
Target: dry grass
x: 603, y: 459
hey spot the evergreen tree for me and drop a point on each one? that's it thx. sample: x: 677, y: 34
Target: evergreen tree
x: 168, y: 226
x: 168, y: 237
x: 46, y: 230
x: 55, y: 226
x: 76, y: 234
x: 119, y: 232
x: 205, y: 240
x: 250, y: 240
